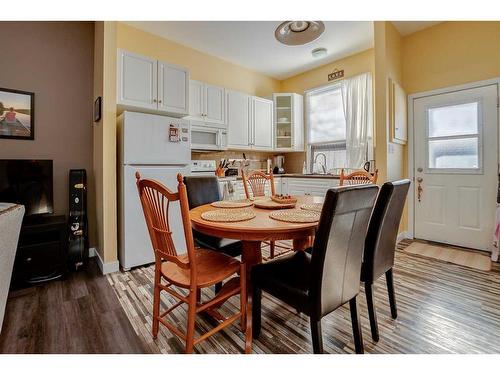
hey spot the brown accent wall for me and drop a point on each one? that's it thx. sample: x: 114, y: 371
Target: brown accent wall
x: 55, y: 61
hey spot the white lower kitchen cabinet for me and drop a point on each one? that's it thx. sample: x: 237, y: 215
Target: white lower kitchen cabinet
x: 239, y: 190
x: 307, y: 186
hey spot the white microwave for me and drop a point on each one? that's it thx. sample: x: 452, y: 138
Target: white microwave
x: 208, y: 138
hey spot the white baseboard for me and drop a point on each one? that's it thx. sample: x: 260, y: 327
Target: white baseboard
x: 105, y: 268
x: 402, y: 236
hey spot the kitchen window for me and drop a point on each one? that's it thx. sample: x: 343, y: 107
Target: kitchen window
x: 339, y: 125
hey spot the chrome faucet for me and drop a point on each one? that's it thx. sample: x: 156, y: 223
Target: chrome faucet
x: 323, y: 166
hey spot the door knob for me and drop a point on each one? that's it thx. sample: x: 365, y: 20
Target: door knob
x: 419, y: 180
x: 420, y: 169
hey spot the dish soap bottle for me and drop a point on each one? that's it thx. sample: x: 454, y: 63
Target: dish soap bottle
x: 304, y: 169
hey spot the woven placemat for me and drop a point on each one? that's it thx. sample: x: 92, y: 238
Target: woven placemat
x: 228, y: 215
x: 269, y: 204
x: 232, y: 204
x: 295, y: 216
x: 316, y: 207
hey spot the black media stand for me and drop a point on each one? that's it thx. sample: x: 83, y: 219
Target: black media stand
x: 42, y: 251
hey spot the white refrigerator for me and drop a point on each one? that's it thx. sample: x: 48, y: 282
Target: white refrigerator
x: 158, y: 147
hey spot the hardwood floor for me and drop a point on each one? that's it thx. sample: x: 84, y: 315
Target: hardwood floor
x: 443, y: 308
x: 78, y: 315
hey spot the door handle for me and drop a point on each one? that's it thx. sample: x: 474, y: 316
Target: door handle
x: 419, y: 188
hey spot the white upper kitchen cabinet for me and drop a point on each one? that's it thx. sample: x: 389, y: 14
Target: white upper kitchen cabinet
x: 214, y: 104
x: 262, y: 124
x: 288, y: 122
x: 137, y: 80
x: 207, y: 103
x: 148, y: 84
x: 173, y: 89
x: 196, y: 105
x: 238, y: 119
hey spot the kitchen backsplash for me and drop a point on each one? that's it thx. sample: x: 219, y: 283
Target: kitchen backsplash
x: 293, y: 160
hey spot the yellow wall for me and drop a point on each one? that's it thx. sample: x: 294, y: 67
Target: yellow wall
x: 451, y: 53
x: 201, y: 66
x: 104, y: 135
x: 355, y: 64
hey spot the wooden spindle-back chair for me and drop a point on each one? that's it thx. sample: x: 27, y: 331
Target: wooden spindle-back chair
x: 358, y: 178
x: 257, y: 181
x: 191, y: 271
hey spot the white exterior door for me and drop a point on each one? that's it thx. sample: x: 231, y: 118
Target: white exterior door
x: 456, y: 166
x: 137, y: 80
x: 238, y: 119
x: 214, y: 104
x: 262, y: 119
x: 173, y: 89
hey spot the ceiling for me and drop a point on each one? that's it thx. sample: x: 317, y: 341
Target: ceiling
x: 409, y: 27
x: 252, y: 44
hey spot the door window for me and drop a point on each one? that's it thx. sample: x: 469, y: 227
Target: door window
x: 454, y: 138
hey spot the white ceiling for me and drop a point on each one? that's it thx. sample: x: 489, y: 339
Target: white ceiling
x: 252, y: 44
x: 409, y: 27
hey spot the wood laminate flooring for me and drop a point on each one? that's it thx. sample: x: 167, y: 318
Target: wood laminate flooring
x: 443, y: 308
x: 78, y: 315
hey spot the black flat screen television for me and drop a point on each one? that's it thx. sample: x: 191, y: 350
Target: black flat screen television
x: 27, y: 182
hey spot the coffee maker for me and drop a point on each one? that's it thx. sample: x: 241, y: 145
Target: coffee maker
x: 279, y: 164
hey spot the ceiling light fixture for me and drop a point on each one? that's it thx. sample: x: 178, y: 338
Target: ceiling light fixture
x: 319, y: 52
x: 295, y: 33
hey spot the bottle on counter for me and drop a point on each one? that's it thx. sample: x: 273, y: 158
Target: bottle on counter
x: 304, y: 169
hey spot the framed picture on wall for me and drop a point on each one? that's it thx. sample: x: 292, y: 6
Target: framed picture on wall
x: 17, y: 114
x: 398, y: 114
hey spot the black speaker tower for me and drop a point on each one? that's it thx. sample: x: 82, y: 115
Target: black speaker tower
x: 78, y: 249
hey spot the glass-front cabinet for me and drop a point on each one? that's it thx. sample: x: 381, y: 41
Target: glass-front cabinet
x: 288, y: 122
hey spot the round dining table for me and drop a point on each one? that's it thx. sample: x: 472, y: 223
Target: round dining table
x: 261, y: 228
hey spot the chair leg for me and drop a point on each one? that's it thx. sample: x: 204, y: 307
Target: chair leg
x: 156, y: 302
x: 256, y: 312
x: 356, y: 326
x: 392, y: 295
x: 198, y: 295
x: 191, y: 321
x: 316, y: 335
x: 371, y: 310
x: 217, y: 287
x: 272, y: 246
x: 243, y: 296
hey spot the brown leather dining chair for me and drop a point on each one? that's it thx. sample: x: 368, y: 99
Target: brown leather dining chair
x: 257, y: 181
x: 321, y: 279
x: 204, y: 190
x: 358, y: 177
x: 190, y: 271
x: 380, y: 245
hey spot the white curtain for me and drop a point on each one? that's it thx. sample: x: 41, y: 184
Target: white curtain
x: 358, y: 112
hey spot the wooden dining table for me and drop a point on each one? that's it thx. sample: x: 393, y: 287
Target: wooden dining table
x: 261, y: 228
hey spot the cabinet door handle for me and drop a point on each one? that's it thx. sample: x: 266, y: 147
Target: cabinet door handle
x: 154, y: 100
x: 159, y: 101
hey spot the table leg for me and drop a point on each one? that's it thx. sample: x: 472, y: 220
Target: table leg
x: 302, y: 243
x: 251, y: 256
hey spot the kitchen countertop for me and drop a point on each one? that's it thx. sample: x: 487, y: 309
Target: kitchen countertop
x: 289, y: 175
